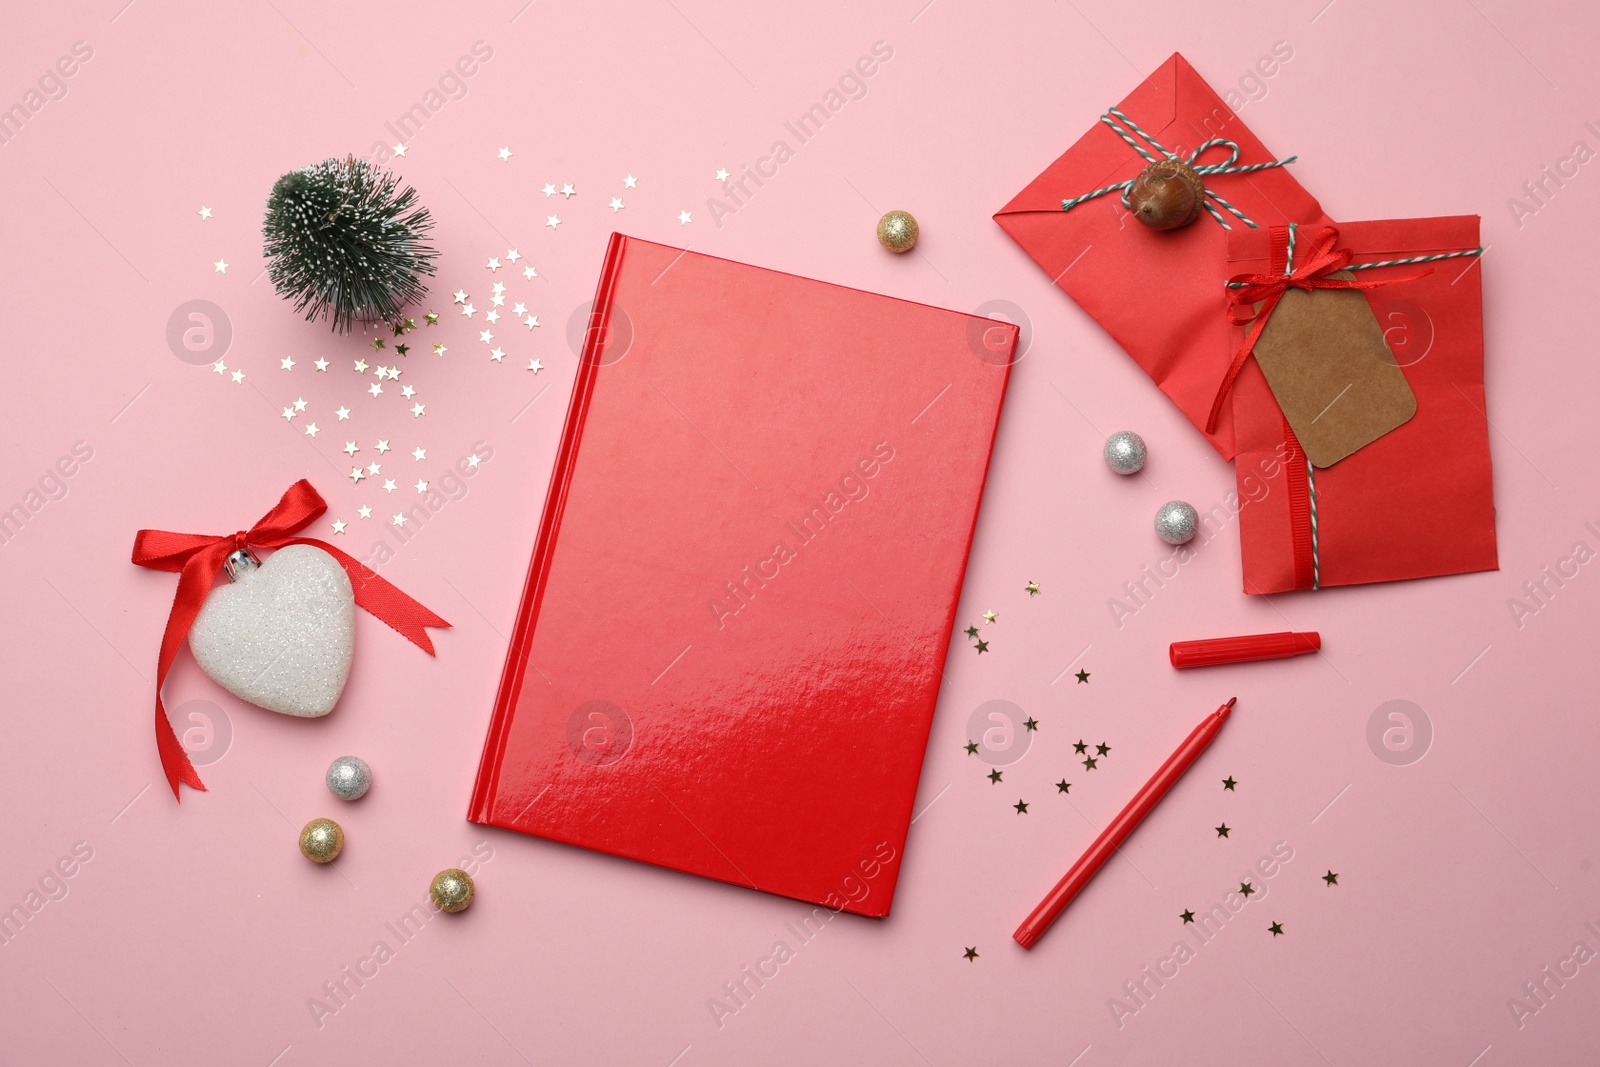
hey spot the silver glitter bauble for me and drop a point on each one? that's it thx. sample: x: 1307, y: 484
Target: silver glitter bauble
x: 1177, y: 522
x: 452, y: 890
x: 321, y: 841
x: 1125, y: 452
x: 349, y: 777
x: 897, y: 231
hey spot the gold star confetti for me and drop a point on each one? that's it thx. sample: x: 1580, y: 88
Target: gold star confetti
x: 1033, y: 588
x: 377, y: 343
x: 431, y: 318
x: 439, y: 350
x: 989, y: 617
x: 402, y: 348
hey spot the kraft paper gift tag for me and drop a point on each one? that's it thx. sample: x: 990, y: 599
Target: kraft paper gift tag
x: 1325, y: 359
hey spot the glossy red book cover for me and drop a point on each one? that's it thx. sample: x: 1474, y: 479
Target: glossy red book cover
x: 744, y: 583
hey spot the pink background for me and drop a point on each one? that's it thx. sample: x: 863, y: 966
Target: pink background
x: 195, y: 934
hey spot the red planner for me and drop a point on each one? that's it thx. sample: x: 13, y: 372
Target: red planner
x: 744, y: 584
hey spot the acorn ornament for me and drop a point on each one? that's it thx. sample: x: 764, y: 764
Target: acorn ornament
x: 1167, y: 195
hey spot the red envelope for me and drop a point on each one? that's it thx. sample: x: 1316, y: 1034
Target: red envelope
x: 1419, y: 500
x: 1157, y: 293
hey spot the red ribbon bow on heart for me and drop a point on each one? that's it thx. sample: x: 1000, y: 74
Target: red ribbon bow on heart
x: 1246, y: 290
x: 199, y: 558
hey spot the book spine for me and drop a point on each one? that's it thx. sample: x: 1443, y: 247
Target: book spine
x: 486, y: 788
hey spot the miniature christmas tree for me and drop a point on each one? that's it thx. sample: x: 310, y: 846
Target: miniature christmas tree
x: 343, y: 241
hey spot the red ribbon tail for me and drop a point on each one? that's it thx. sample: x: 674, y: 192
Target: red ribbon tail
x: 1239, y: 359
x: 382, y: 599
x: 174, y: 760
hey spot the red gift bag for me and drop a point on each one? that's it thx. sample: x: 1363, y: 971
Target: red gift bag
x: 1156, y: 293
x: 1419, y: 500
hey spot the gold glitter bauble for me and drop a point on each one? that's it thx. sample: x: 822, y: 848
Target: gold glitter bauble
x: 452, y: 890
x: 897, y: 231
x: 321, y: 841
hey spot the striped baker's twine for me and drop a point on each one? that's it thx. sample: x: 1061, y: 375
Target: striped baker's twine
x: 1311, y: 496
x: 1117, y: 120
x: 1289, y: 263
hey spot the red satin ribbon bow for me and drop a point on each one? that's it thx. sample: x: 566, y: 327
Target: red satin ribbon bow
x: 1245, y: 290
x: 199, y: 558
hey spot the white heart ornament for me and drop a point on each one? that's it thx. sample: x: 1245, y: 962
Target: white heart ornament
x: 282, y: 634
